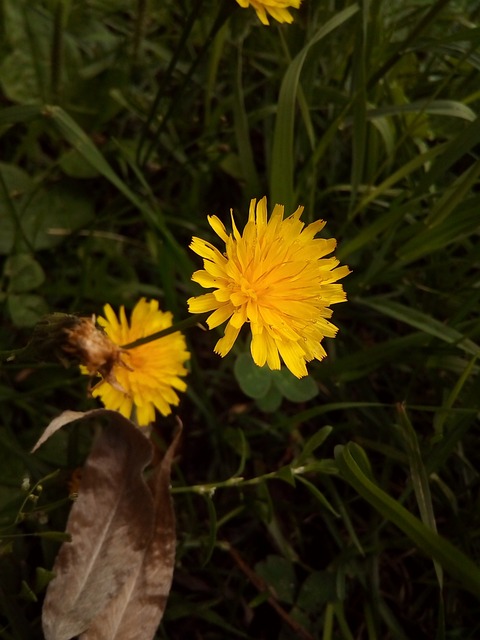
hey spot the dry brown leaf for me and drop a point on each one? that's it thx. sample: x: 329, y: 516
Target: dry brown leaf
x: 136, y: 611
x: 111, y: 524
x: 60, y: 421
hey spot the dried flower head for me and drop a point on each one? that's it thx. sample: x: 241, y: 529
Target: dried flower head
x: 275, y: 276
x: 92, y: 348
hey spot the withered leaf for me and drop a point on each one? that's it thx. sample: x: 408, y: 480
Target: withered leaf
x: 111, y: 524
x: 60, y: 421
x: 136, y: 611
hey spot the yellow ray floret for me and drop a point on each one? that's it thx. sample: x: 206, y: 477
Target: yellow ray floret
x: 277, y: 277
x: 277, y: 9
x: 146, y: 377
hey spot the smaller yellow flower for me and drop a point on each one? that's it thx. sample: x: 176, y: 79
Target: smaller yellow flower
x: 146, y: 377
x: 277, y: 9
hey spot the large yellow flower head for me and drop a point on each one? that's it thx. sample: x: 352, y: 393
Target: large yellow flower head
x: 276, y: 277
x: 278, y: 9
x: 146, y: 377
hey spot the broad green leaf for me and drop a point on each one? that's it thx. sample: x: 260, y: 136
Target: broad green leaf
x: 39, y: 218
x: 319, y: 588
x: 32, y: 70
x: 271, y: 401
x: 26, y: 309
x: 279, y: 574
x: 24, y: 72
x: 74, y: 165
x: 254, y: 381
x: 292, y: 388
x: 24, y: 273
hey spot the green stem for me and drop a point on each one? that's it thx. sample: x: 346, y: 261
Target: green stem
x: 178, y: 326
x: 56, y: 59
x: 239, y: 481
x: 139, y: 31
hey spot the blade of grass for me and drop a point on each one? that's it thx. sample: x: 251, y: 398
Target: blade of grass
x: 450, y: 557
x: 420, y: 483
x: 281, y: 173
x: 422, y: 321
x: 242, y: 133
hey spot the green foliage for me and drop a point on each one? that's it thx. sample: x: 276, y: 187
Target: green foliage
x: 122, y: 125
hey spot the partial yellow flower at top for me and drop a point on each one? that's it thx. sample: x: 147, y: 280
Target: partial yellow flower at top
x: 278, y: 9
x: 146, y: 377
x: 276, y: 277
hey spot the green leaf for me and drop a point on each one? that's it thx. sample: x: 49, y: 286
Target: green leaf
x: 73, y: 163
x: 254, y: 381
x: 461, y: 222
x: 24, y: 273
x: 238, y: 442
x: 286, y: 474
x: 456, y: 148
x: 20, y: 113
x: 26, y: 593
x: 419, y: 478
x: 449, y: 108
x: 39, y: 218
x: 318, y: 589
x: 450, y: 557
x: 292, y: 388
x: 26, y: 309
x: 14, y: 183
x: 42, y: 578
x: 422, y: 321
x: 313, y: 443
x: 279, y: 574
x: 271, y: 401
x: 318, y: 495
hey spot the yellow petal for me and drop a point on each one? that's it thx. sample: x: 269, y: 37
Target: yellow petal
x: 219, y: 316
x: 218, y: 226
x: 224, y: 345
x: 293, y: 357
x: 202, y: 304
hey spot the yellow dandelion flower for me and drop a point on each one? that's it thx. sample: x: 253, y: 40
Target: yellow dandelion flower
x: 146, y: 377
x: 276, y: 277
x: 277, y: 9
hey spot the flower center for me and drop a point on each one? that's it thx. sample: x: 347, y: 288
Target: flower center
x: 247, y: 288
